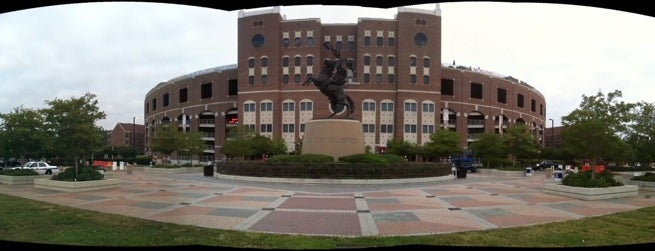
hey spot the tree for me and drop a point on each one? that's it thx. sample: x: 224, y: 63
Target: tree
x: 591, y: 139
x: 592, y: 130
x: 443, y: 143
x: 520, y: 143
x: 402, y: 148
x: 192, y: 144
x: 23, y: 133
x: 238, y: 144
x: 490, y: 147
x: 72, y: 122
x: 641, y: 133
x: 166, y: 140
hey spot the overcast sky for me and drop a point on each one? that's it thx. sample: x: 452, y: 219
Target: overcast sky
x: 119, y: 51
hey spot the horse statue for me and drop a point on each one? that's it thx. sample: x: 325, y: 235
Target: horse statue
x: 331, y: 80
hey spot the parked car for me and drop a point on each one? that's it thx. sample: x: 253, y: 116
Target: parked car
x: 41, y: 167
x: 546, y: 164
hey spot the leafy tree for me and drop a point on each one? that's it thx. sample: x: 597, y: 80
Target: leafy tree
x: 520, y: 143
x: 237, y: 145
x: 592, y: 130
x: 166, y: 140
x: 192, y: 144
x: 641, y: 133
x: 23, y: 133
x: 72, y: 122
x: 591, y: 139
x: 443, y: 143
x: 402, y: 148
x: 490, y: 147
x: 262, y: 145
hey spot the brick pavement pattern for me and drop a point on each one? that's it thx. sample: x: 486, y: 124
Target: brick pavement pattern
x: 479, y: 202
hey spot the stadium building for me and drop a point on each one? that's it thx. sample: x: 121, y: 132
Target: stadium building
x: 400, y: 87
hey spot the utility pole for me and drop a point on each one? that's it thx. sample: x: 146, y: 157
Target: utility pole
x: 134, y: 134
x: 552, y: 136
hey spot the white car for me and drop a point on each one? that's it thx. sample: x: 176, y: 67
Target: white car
x: 39, y: 166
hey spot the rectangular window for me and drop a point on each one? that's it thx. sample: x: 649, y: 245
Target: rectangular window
x: 428, y: 128
x: 302, y: 127
x: 249, y: 107
x: 154, y: 104
x: 250, y: 127
x: 166, y: 99
x: 288, y: 128
x: 368, y: 128
x: 306, y: 106
x: 533, y: 105
x: 519, y: 100
x: 232, y: 87
x: 410, y: 107
x: 183, y: 95
x: 476, y: 90
x: 428, y: 107
x: 147, y: 107
x: 410, y: 128
x: 386, y: 128
x: 447, y: 87
x: 387, y: 107
x: 266, y: 107
x: 288, y: 107
x: 369, y: 106
x: 206, y: 90
x: 541, y: 109
x: 266, y: 128
x: 502, y: 96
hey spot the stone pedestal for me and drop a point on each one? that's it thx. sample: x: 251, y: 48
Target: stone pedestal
x: 334, y: 137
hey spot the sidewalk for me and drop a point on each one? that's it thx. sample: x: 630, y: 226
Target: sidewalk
x: 479, y: 202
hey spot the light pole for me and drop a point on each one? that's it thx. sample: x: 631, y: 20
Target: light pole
x: 552, y: 136
x: 134, y: 133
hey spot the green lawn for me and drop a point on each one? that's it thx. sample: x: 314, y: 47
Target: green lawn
x: 24, y: 220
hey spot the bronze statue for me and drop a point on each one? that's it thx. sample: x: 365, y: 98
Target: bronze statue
x: 331, y: 80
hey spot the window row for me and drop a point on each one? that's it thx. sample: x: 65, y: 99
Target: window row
x: 286, y: 106
x: 391, y: 60
x: 379, y: 41
x: 477, y: 92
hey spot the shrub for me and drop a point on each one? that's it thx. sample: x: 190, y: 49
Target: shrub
x: 302, y: 158
x: 648, y: 176
x: 372, y: 158
x: 84, y: 173
x: 19, y: 172
x: 583, y: 179
x: 142, y: 160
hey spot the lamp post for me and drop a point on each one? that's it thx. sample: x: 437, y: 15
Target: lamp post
x: 552, y: 136
x: 134, y: 133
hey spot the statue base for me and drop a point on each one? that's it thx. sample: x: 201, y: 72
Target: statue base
x: 334, y: 137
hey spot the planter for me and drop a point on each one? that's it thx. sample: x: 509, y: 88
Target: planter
x: 593, y: 193
x: 643, y: 185
x: 151, y: 170
x: 20, y: 180
x: 508, y: 173
x: 76, y: 186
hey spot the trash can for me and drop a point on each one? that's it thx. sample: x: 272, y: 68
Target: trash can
x: 558, y: 176
x: 528, y: 171
x: 208, y: 170
x: 461, y: 172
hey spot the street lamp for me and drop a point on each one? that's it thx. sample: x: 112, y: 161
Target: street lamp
x: 552, y: 135
x: 134, y: 133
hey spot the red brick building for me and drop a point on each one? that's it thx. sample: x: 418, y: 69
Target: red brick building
x: 128, y: 134
x: 400, y: 87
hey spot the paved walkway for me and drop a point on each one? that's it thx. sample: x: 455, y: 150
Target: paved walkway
x: 479, y: 202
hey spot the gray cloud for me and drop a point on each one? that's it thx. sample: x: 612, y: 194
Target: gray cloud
x: 121, y: 50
